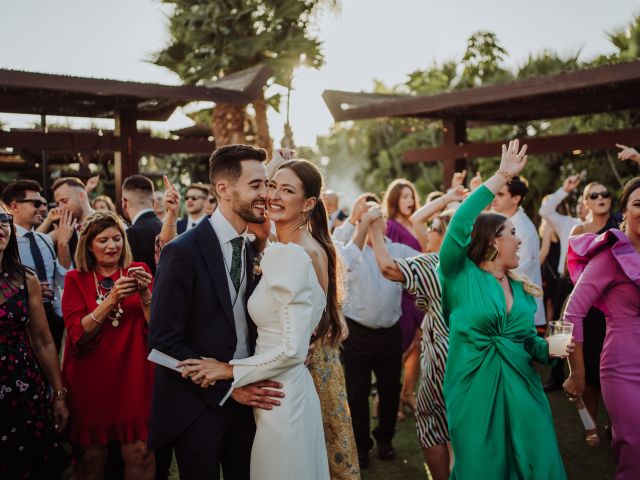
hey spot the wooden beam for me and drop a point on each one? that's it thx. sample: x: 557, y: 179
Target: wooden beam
x: 126, y: 157
x: 75, y: 142
x: 551, y: 144
x: 454, y: 133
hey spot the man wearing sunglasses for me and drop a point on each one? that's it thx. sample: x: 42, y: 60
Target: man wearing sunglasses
x: 24, y: 199
x: 195, y: 200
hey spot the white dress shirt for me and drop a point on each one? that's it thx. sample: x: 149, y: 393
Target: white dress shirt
x: 371, y: 300
x: 55, y: 271
x: 139, y: 214
x: 225, y: 233
x: 529, y: 254
x: 562, y: 224
x: 192, y: 223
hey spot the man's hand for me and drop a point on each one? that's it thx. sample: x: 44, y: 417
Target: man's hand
x: 359, y: 208
x: 373, y: 214
x: 47, y: 290
x: 571, y: 183
x: 92, y: 183
x: 377, y: 228
x: 475, y: 182
x: 259, y: 394
x: 65, y: 228
x: 171, y: 199
x: 628, y: 153
x: 458, y: 179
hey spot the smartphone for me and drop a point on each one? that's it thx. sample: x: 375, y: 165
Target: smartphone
x: 133, y: 270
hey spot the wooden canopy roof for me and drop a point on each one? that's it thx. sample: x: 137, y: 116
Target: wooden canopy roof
x: 596, y: 90
x: 49, y: 94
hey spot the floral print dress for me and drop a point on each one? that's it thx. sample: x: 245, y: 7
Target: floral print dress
x: 27, y: 441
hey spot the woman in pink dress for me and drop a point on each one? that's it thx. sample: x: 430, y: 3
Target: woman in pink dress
x: 400, y: 202
x: 607, y: 270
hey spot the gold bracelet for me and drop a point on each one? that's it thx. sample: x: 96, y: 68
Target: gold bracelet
x: 507, y: 176
x: 95, y: 319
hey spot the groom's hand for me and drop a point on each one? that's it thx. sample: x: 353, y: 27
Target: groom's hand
x: 259, y: 395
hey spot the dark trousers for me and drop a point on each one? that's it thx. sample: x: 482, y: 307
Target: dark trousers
x: 379, y: 351
x: 218, y: 437
x: 164, y: 455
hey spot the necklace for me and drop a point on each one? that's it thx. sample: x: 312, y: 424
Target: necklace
x: 103, y: 289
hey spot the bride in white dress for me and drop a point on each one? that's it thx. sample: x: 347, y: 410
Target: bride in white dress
x: 295, y: 297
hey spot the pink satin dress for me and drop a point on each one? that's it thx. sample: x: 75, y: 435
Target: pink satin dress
x: 606, y: 270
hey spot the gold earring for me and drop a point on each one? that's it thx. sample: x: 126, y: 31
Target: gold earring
x: 492, y: 253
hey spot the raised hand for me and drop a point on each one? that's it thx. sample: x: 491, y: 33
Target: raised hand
x: 571, y: 183
x: 513, y: 158
x: 475, y: 182
x: 359, y: 208
x: 457, y: 194
x: 280, y: 156
x: 373, y: 214
x: 458, y: 178
x: 628, y: 153
x: 65, y: 228
x: 171, y: 199
x: 92, y: 183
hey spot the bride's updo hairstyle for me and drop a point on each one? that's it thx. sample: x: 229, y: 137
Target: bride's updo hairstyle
x: 311, y: 178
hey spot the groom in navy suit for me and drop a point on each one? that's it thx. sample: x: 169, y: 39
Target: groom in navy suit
x: 203, y: 281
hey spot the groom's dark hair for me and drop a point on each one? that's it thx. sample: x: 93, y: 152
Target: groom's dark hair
x: 225, y: 162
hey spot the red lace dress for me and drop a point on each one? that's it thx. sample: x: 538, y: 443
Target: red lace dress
x: 109, y: 378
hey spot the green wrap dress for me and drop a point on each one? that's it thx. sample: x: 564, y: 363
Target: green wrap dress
x: 499, y: 417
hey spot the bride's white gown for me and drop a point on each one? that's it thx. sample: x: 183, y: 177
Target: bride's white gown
x: 286, y: 306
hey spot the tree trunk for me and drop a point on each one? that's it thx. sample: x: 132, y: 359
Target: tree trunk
x: 228, y: 124
x: 262, y: 124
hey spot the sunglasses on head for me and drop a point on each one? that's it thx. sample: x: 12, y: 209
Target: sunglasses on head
x: 36, y: 203
x: 595, y: 195
x: 194, y: 197
x: 6, y: 219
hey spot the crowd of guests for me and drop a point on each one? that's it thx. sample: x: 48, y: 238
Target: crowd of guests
x: 438, y: 310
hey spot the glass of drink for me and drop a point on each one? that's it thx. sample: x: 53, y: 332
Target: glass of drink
x: 559, y: 337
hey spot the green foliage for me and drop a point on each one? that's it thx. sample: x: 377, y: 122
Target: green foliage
x: 373, y: 149
x: 210, y: 39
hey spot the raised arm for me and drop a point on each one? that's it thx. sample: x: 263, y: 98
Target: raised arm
x: 386, y: 263
x: 453, y: 253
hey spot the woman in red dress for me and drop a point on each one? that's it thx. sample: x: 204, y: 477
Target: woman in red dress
x: 106, y: 305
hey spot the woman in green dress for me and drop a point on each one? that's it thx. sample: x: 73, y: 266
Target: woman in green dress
x: 499, y: 417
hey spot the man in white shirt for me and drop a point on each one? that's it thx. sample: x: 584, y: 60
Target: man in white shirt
x: 331, y: 203
x: 28, y: 207
x: 372, y: 309
x: 508, y: 202
x: 195, y: 201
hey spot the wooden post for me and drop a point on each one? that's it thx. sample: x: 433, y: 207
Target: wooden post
x: 126, y: 157
x: 454, y: 133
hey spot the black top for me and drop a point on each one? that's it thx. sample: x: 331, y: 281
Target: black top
x: 142, y: 237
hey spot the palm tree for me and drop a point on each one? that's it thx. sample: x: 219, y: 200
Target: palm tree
x: 211, y: 39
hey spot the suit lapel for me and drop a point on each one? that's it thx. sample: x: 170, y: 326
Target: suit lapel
x: 212, y: 253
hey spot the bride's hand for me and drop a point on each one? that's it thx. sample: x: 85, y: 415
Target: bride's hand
x: 513, y: 158
x: 205, y: 371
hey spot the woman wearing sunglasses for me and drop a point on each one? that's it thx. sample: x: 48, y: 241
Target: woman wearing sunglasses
x: 30, y: 416
x: 596, y: 198
x: 106, y: 307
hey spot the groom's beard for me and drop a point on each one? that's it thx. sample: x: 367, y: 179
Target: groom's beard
x: 245, y: 210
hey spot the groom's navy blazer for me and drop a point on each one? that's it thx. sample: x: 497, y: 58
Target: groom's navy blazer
x: 191, y: 317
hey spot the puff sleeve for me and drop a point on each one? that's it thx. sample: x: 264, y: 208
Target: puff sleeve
x: 292, y: 290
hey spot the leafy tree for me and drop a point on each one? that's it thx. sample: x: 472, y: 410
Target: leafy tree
x: 211, y: 39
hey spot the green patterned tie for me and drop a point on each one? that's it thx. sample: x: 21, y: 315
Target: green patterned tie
x: 236, y: 262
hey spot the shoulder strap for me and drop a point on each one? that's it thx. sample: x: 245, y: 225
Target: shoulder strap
x: 42, y: 236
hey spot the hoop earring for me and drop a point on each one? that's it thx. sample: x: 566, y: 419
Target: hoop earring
x: 492, y: 253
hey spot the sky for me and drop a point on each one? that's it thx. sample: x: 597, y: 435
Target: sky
x: 366, y: 40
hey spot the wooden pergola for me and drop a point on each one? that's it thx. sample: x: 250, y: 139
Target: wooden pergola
x: 126, y: 102
x: 597, y: 90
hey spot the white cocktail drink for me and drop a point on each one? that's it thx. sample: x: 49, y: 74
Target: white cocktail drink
x: 560, y: 334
